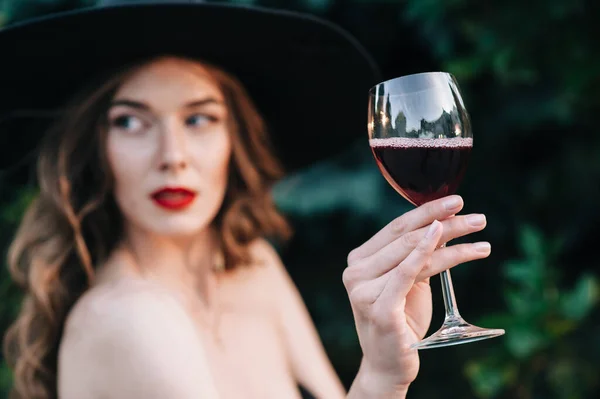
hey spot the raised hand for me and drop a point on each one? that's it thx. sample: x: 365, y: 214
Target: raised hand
x: 387, y: 280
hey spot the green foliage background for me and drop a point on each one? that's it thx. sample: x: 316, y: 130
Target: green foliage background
x: 530, y: 73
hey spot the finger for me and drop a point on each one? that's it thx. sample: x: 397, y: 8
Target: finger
x: 392, y: 254
x: 402, y: 278
x: 448, y: 257
x: 412, y: 220
x: 459, y: 226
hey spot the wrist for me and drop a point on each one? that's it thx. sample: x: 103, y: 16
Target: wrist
x: 372, y: 384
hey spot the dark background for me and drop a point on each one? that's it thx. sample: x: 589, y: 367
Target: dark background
x: 530, y: 76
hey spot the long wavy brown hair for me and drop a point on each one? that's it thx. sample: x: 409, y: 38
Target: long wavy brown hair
x: 74, y: 223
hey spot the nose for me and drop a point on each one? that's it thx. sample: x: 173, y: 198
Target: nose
x: 172, y: 152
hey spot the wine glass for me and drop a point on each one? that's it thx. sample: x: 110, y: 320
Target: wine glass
x: 420, y: 135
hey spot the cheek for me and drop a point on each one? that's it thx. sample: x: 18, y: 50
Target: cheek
x: 212, y: 159
x: 127, y: 163
x: 213, y: 166
x: 222, y: 161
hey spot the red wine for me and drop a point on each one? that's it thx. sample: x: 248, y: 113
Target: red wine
x: 422, y: 170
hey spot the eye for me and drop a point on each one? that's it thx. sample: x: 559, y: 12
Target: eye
x: 198, y: 120
x: 127, y: 122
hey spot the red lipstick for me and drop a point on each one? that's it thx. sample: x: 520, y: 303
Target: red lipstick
x: 173, y: 198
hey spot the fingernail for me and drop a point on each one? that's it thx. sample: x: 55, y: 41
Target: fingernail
x: 483, y: 247
x: 452, y: 203
x: 476, y: 220
x: 435, y: 226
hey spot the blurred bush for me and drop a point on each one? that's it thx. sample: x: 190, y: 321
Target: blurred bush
x: 542, y: 318
x: 530, y: 73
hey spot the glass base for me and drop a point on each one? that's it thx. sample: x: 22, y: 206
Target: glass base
x: 456, y: 331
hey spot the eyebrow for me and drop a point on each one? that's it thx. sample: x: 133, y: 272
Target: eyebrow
x: 143, y: 106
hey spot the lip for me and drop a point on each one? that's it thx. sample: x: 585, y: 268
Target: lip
x: 173, y: 198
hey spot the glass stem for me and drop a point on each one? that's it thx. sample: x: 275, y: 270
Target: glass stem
x: 452, y: 313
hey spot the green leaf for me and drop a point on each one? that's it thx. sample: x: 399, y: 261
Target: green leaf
x: 559, y: 328
x: 579, y: 302
x: 488, y: 379
x: 525, y: 274
x: 532, y: 243
x: 465, y: 68
x: 13, y: 212
x: 5, y: 377
x: 528, y: 306
x: 524, y: 340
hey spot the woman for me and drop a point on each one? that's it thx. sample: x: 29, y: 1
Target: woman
x: 144, y: 258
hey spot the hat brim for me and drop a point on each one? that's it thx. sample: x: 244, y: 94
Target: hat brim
x: 308, y: 77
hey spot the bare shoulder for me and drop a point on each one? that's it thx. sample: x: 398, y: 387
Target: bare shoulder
x: 267, y: 274
x: 267, y: 261
x: 127, y: 301
x: 273, y: 274
x: 253, y: 287
x: 131, y: 339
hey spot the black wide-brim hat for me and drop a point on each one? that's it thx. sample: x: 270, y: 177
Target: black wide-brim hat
x: 308, y: 77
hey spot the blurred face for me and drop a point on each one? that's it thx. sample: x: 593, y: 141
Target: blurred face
x: 169, y: 148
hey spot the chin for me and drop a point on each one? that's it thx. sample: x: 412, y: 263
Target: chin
x: 180, y: 228
x: 174, y: 226
x: 178, y: 224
